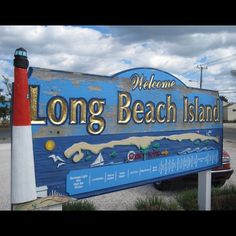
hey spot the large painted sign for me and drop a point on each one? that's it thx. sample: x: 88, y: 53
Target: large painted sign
x: 95, y: 134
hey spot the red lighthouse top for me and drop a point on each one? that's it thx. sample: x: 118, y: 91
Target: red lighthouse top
x: 21, y: 102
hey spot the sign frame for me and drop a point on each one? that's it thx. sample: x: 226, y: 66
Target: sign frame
x: 123, y: 77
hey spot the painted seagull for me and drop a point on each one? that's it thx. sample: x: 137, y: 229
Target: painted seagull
x: 56, y: 158
x: 209, y: 133
x: 60, y: 164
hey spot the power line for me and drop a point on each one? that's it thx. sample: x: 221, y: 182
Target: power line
x: 220, y: 59
x: 224, y: 61
x: 214, y: 62
x: 191, y: 74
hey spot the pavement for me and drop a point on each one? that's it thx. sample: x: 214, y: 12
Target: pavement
x: 119, y: 200
x: 5, y: 178
x: 5, y: 135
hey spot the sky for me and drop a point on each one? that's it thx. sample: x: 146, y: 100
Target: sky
x: 106, y: 50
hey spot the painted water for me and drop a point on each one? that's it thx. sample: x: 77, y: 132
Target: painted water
x: 53, y: 166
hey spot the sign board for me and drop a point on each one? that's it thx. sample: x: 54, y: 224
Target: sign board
x: 96, y: 134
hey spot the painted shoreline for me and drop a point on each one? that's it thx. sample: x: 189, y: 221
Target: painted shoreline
x: 139, y: 142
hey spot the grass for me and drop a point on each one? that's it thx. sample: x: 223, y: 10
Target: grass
x: 224, y: 199
x: 156, y: 203
x: 188, y: 200
x: 221, y: 199
x: 79, y: 206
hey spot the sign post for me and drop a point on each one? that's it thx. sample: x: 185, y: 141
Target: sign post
x: 204, y: 190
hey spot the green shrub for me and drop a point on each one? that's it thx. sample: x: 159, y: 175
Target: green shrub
x: 156, y: 203
x: 221, y: 199
x: 224, y: 199
x: 188, y: 200
x: 79, y: 206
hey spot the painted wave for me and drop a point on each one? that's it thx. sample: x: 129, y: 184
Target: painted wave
x: 197, y: 149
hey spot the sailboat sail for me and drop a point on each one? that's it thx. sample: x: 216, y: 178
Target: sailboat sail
x: 99, y: 161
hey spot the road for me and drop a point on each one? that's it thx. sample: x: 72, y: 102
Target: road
x: 230, y: 131
x: 5, y: 176
x: 120, y: 200
x: 5, y: 135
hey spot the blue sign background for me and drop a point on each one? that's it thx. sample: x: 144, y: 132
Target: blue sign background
x: 204, y: 139
x: 108, y: 177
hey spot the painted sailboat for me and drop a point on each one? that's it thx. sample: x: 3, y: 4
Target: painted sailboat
x: 99, y: 161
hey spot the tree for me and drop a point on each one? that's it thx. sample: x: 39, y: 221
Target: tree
x: 4, y: 108
x: 5, y: 113
x: 2, y: 98
x: 4, y: 101
x: 8, y: 85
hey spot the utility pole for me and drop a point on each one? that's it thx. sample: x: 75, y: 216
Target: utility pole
x: 201, y: 67
x: 204, y: 177
x: 233, y: 72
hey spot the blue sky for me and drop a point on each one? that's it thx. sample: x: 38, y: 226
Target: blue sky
x: 106, y: 50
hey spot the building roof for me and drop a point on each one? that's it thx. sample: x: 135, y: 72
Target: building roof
x: 229, y: 104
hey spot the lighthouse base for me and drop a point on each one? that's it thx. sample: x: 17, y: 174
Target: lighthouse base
x: 50, y: 203
x: 23, y: 187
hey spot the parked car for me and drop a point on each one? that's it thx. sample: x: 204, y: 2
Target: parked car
x: 219, y: 175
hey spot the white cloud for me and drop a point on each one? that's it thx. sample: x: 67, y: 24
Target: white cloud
x: 88, y: 50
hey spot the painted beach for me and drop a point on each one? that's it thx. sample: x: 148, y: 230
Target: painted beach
x: 81, y: 153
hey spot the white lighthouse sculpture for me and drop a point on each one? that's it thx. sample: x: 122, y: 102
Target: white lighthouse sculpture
x: 23, y: 187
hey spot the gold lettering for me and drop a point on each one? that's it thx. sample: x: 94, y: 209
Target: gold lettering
x: 154, y: 84
x: 171, y: 109
x: 74, y: 111
x: 138, y: 108
x: 123, y: 108
x: 216, y: 111
x: 165, y: 84
x: 150, y: 115
x: 52, y: 110
x: 209, y: 113
x: 135, y: 81
x: 201, y: 114
x: 160, y: 106
x: 140, y: 82
x: 191, y: 113
x: 158, y: 84
x: 34, y: 97
x: 96, y: 104
x: 145, y: 85
x: 196, y: 101
x: 185, y: 109
x: 150, y: 81
x: 172, y: 84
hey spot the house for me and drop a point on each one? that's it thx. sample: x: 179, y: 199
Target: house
x: 229, y: 112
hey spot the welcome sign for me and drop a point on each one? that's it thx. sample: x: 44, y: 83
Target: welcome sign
x: 95, y: 134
